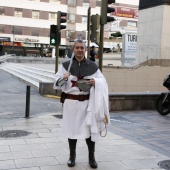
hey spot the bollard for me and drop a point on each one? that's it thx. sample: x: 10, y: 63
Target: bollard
x: 27, y: 109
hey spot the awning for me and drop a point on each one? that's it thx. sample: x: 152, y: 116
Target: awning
x: 93, y: 44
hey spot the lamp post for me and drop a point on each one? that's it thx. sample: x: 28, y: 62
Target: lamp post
x: 13, y: 39
x: 88, y: 31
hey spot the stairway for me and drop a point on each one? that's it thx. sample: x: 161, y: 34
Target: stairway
x: 30, y: 75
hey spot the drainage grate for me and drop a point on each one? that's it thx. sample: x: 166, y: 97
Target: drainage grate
x: 164, y: 164
x: 13, y: 133
x: 58, y: 116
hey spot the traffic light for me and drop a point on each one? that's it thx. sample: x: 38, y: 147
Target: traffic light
x: 95, y: 26
x: 61, y: 18
x: 53, y: 34
x: 105, y: 9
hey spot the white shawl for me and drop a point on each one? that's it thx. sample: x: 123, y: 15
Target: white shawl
x: 97, y: 108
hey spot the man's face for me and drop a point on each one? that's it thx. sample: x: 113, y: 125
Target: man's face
x: 79, y: 50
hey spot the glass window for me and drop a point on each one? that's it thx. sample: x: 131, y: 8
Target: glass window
x: 35, y: 32
x: 132, y: 24
x: 84, y: 20
x: 1, y: 28
x: 54, y: 0
x: 98, y: 3
x: 18, y: 30
x: 86, y: 5
x: 35, y: 14
x: 72, y: 2
x: 2, y: 10
x: 72, y: 17
x: 70, y: 35
x: 52, y: 16
x: 18, y: 12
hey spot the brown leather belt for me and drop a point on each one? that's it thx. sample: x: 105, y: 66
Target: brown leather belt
x: 80, y: 97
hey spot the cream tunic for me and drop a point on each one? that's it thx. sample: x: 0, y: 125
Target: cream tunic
x: 74, y: 111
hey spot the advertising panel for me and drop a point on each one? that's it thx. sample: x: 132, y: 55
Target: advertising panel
x: 5, y: 39
x: 19, y: 44
x: 129, y: 49
x: 127, y: 12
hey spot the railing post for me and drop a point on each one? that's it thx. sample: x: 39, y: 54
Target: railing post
x: 27, y: 109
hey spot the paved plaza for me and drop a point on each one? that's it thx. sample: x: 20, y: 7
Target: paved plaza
x: 136, y: 140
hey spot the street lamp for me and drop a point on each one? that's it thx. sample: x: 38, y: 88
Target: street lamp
x: 13, y: 39
x: 79, y: 36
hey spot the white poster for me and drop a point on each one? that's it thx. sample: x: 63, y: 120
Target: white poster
x: 129, y: 48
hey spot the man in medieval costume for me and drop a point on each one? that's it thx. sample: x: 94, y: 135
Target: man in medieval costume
x: 85, y: 101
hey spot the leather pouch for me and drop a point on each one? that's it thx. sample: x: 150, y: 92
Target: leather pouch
x: 63, y: 97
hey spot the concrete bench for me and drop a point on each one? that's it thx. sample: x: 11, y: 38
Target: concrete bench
x: 132, y: 101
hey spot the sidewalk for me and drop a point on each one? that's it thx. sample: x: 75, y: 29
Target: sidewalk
x: 44, y: 149
x: 40, y: 146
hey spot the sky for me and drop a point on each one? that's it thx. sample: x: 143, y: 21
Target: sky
x: 130, y: 2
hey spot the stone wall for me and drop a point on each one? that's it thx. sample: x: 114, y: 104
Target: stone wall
x: 146, y: 77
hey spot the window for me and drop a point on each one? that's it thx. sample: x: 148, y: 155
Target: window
x: 1, y: 28
x: 84, y: 20
x: 52, y: 16
x: 132, y: 24
x: 72, y: 2
x: 70, y: 35
x: 54, y: 0
x: 17, y: 30
x: 98, y: 3
x: 35, y: 32
x: 86, y: 5
x: 35, y: 14
x: 72, y: 17
x: 18, y: 12
x: 2, y: 10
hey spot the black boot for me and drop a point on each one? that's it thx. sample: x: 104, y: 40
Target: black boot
x: 71, y: 161
x: 91, y: 148
x: 72, y: 147
x: 92, y: 160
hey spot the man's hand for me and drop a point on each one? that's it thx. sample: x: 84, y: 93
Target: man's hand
x: 92, y: 82
x: 66, y: 76
x: 105, y: 120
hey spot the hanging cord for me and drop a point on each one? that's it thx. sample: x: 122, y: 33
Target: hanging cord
x: 105, y: 132
x: 105, y: 122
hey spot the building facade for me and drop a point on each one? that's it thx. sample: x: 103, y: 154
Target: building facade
x: 25, y: 24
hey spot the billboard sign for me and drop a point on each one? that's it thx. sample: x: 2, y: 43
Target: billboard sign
x: 127, y: 12
x: 129, y: 47
x: 5, y: 39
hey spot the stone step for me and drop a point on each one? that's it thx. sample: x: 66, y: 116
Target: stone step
x: 31, y: 71
x: 30, y: 75
x: 4, y: 58
x: 23, y: 78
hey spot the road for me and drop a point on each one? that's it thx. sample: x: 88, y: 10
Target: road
x: 13, y: 99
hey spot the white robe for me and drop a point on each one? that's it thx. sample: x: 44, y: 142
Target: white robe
x: 74, y: 124
x: 98, y: 109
